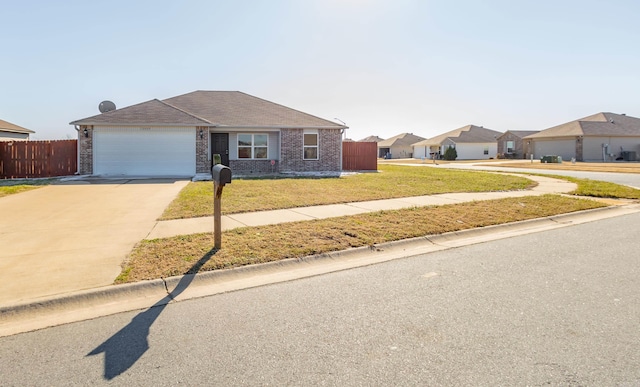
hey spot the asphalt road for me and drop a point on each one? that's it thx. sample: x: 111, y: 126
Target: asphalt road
x: 551, y: 308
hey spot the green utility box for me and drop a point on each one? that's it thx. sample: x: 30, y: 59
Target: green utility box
x: 551, y: 159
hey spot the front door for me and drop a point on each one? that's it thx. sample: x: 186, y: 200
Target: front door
x: 220, y: 145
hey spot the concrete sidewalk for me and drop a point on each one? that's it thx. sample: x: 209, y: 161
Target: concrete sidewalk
x: 169, y: 228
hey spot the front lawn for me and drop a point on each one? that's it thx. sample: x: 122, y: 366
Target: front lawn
x: 601, y: 189
x: 250, y: 245
x: 248, y: 195
x: 184, y: 254
x: 10, y: 187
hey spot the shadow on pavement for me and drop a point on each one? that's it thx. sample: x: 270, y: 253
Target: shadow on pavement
x: 126, y: 346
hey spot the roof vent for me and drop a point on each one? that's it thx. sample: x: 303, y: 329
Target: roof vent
x: 611, y: 120
x: 623, y: 114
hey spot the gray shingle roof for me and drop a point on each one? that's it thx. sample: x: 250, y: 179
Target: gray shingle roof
x: 520, y: 133
x: 150, y: 113
x: 372, y: 139
x: 402, y: 139
x: 211, y: 108
x: 600, y: 124
x: 466, y: 134
x: 13, y: 128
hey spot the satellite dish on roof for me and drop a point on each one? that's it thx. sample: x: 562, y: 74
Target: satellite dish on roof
x: 106, y: 106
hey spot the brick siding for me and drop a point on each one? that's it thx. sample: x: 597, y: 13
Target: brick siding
x: 579, y: 148
x: 520, y: 149
x: 203, y: 163
x: 85, y: 147
x: 249, y: 167
x: 329, y: 151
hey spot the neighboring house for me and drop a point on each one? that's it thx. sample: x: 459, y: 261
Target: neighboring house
x: 11, y: 132
x: 398, y: 147
x: 600, y: 137
x: 179, y: 135
x: 511, y: 145
x: 372, y: 139
x: 471, y: 143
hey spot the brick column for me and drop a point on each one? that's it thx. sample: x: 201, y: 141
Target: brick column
x: 579, y: 148
x: 85, y: 149
x: 203, y: 165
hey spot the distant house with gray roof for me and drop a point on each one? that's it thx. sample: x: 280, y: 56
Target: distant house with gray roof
x: 602, y: 136
x: 371, y: 139
x: 178, y: 136
x: 398, y: 147
x: 11, y: 132
x: 512, y: 146
x: 471, y: 143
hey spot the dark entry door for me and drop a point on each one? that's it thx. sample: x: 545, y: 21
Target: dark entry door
x: 220, y: 145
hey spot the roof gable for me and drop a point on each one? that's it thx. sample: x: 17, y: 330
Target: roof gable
x: 600, y: 124
x: 402, y: 139
x: 210, y: 108
x: 237, y: 109
x: 372, y: 139
x: 613, y: 125
x: 13, y: 128
x: 150, y: 113
x: 466, y: 134
x: 519, y: 133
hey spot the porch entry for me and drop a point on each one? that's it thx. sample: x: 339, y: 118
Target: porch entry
x: 220, y: 145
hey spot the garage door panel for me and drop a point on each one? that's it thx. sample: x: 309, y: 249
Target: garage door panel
x: 564, y: 148
x: 145, y: 152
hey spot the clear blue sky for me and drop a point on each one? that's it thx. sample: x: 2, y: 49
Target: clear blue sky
x: 382, y: 66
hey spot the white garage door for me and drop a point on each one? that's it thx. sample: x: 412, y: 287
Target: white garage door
x: 144, y: 151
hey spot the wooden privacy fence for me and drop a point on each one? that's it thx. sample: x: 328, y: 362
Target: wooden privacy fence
x: 359, y: 156
x: 27, y: 159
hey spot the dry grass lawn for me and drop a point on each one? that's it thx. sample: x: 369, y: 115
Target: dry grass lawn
x: 248, y: 195
x: 622, y: 167
x: 14, y: 186
x: 14, y: 189
x: 244, y: 246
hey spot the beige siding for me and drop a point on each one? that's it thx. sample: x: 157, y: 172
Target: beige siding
x: 557, y: 147
x: 592, y: 150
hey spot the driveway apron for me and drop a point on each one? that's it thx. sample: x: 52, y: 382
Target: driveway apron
x: 73, y: 236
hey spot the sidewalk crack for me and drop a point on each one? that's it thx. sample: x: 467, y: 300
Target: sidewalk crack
x: 166, y: 288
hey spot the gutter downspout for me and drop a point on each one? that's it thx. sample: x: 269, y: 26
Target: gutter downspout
x: 341, y: 146
x: 341, y: 140
x: 280, y: 157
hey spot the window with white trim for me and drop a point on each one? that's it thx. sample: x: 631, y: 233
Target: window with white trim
x: 510, y: 145
x: 310, y: 151
x: 253, y: 146
x: 486, y: 150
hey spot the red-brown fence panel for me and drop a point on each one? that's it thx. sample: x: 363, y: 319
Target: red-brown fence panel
x: 27, y: 159
x: 359, y: 156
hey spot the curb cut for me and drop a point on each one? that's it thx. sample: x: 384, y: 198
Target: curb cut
x: 113, y: 299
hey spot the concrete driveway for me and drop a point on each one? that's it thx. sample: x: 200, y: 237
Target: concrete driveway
x: 75, y: 235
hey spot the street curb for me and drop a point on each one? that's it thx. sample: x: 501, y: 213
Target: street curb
x: 114, y: 299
